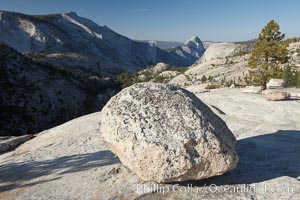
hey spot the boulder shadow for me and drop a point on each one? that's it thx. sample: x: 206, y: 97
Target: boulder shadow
x: 218, y: 110
x: 14, y: 175
x: 294, y: 99
x: 262, y: 158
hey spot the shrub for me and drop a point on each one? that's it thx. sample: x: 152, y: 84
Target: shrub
x: 160, y: 79
x: 203, y: 79
x: 210, y: 78
x: 178, y: 69
x: 291, y: 77
x: 212, y: 86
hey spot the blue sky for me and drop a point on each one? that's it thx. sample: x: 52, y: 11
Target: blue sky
x: 175, y: 20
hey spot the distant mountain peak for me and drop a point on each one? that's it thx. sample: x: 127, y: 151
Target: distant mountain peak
x: 195, y: 38
x: 72, y: 13
x: 194, y: 42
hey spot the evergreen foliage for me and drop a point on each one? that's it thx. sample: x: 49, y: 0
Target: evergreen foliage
x: 269, y: 53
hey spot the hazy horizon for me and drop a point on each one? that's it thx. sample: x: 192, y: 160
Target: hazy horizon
x: 175, y: 20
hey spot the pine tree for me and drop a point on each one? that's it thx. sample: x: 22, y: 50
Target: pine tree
x: 270, y: 51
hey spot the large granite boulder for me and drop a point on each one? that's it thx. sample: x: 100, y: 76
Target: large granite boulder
x: 164, y: 133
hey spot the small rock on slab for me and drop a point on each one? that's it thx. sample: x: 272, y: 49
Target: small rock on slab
x: 277, y: 96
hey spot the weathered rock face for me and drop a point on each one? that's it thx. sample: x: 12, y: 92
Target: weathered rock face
x: 181, y: 79
x: 277, y: 96
x: 164, y: 133
x: 67, y: 32
x: 159, y: 67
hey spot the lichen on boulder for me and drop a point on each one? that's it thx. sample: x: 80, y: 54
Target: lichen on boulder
x: 164, y: 133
